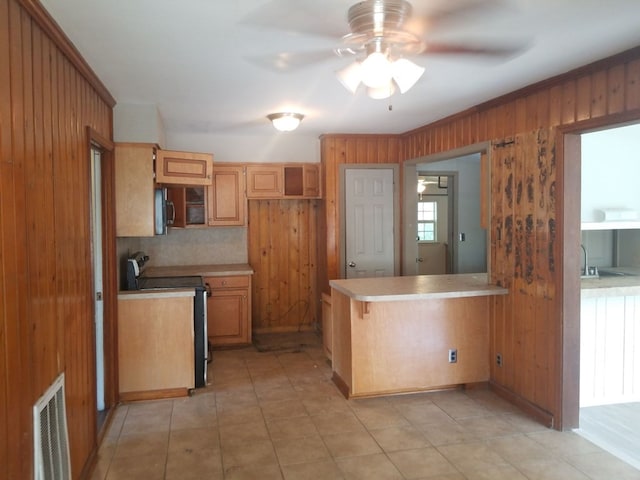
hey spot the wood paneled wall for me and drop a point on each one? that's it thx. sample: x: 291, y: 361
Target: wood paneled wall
x: 337, y: 150
x: 529, y: 244
x: 283, y: 245
x: 46, y: 314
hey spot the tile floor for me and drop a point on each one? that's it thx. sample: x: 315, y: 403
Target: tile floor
x: 276, y: 415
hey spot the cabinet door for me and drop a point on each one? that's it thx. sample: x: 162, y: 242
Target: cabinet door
x: 189, y: 206
x: 134, y: 190
x: 311, y: 172
x: 184, y: 168
x: 227, y: 317
x: 264, y: 181
x: 226, y: 201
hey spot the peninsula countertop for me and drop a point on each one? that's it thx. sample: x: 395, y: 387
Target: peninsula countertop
x: 200, y: 270
x: 419, y: 287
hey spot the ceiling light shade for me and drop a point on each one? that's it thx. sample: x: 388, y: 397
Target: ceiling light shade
x: 285, y: 121
x: 350, y: 76
x: 382, y: 92
x: 376, y: 70
x: 406, y: 73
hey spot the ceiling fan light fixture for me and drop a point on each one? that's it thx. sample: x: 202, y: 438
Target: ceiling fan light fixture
x: 285, y: 121
x: 406, y: 73
x: 383, y: 92
x: 350, y: 76
x: 376, y: 70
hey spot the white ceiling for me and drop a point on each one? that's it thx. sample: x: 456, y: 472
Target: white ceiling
x: 201, y: 61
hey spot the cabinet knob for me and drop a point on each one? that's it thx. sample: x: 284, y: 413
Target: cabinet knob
x: 224, y: 282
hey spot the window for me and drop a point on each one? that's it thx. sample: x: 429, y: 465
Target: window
x: 427, y: 216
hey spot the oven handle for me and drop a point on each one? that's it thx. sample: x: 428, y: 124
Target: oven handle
x: 207, y: 287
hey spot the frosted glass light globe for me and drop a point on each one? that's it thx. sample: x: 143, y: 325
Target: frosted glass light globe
x: 376, y: 70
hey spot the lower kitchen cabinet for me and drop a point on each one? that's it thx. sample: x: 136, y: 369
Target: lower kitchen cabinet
x: 229, y: 310
x: 155, y: 344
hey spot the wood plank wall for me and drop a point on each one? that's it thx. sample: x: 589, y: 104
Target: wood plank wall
x: 527, y: 206
x: 338, y: 150
x: 283, y: 252
x: 46, y: 314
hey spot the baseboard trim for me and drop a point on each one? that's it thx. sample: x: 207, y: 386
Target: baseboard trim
x: 531, y: 409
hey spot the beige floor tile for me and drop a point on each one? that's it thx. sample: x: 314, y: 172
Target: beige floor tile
x: 421, y: 462
x: 491, y: 401
x: 487, y: 427
x: 150, y: 408
x: 275, y: 394
x: 350, y: 444
x: 380, y: 416
x: 421, y: 413
x: 550, y: 470
x: 399, y: 438
x: 146, y: 423
x: 186, y: 440
x: 564, y: 443
x: 324, y: 470
x: 368, y: 467
x: 154, y: 443
x: 518, y: 448
x: 604, y: 466
x: 498, y: 472
x: 194, y: 465
x: 253, y: 472
x: 147, y: 467
x: 256, y: 453
x: 451, y: 476
x: 472, y: 457
x: 460, y: 406
x: 325, y: 405
x: 288, y: 428
x: 300, y: 450
x: 233, y: 415
x: 446, y: 433
x: 242, y: 433
x: 524, y: 423
x: 283, y: 409
x: 332, y: 423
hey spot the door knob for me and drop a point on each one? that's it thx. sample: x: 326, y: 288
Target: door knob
x: 352, y: 264
x: 420, y: 259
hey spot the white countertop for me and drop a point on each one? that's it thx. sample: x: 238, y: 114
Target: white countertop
x: 421, y: 287
x: 200, y: 270
x: 611, y: 286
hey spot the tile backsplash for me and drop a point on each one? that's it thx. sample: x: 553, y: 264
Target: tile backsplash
x: 197, y: 246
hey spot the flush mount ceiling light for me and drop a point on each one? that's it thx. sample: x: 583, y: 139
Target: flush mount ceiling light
x: 285, y: 121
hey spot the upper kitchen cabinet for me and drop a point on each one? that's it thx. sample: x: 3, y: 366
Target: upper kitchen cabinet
x: 226, y: 202
x: 278, y: 181
x: 134, y: 187
x: 264, y: 181
x: 184, y: 168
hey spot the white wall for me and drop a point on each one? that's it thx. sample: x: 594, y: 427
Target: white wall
x: 138, y: 123
x: 276, y: 147
x: 610, y: 171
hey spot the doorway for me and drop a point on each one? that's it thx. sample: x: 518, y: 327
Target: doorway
x: 97, y: 262
x: 467, y: 239
x: 609, y: 399
x: 369, y: 221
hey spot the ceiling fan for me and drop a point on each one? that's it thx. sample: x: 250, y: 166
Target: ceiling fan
x: 382, y: 34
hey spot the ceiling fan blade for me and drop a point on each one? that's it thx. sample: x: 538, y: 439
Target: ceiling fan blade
x: 307, y: 17
x: 469, y: 49
x: 290, y: 61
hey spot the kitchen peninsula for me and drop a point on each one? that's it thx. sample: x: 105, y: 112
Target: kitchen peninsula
x: 409, y: 334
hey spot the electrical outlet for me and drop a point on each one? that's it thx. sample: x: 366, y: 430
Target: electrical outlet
x: 453, y: 355
x: 499, y: 359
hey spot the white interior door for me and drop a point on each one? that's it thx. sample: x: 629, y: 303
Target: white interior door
x: 96, y: 238
x: 369, y: 243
